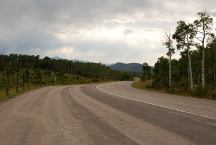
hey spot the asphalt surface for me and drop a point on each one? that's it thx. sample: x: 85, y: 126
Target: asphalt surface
x: 106, y: 114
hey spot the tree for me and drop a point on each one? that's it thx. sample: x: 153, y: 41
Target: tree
x: 184, y: 36
x: 171, y: 50
x: 203, y: 29
x: 7, y: 81
x: 22, y: 71
x: 17, y: 74
x: 160, y: 74
x: 146, y: 71
x: 211, y: 61
x: 23, y: 81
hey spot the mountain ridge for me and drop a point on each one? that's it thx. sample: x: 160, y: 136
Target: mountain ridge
x: 127, y: 67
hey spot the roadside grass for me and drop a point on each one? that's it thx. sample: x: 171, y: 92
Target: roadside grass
x: 210, y: 93
x: 141, y: 84
x: 13, y: 93
x: 146, y: 85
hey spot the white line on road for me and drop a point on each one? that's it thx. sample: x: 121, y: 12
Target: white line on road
x: 200, y: 115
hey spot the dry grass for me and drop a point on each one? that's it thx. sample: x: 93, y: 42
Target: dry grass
x: 13, y: 93
x: 141, y: 84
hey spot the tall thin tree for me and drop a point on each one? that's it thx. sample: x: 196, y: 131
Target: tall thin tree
x: 168, y: 42
x: 184, y: 36
x: 17, y: 74
x: 204, y: 31
x: 7, y: 81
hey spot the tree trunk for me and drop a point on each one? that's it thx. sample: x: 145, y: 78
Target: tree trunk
x: 190, y: 70
x: 17, y: 76
x: 23, y: 79
x: 8, y: 83
x: 203, y: 68
x: 203, y: 57
x: 170, y: 70
x: 55, y: 77
x: 214, y: 75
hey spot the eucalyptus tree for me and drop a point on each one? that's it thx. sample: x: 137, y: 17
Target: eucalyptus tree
x: 203, y: 27
x: 168, y: 42
x: 184, y: 36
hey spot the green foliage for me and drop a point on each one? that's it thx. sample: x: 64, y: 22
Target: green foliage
x: 24, y: 72
x: 194, y: 73
x: 180, y: 68
x: 169, y: 44
x: 202, y: 57
x: 204, y: 24
x: 184, y: 35
x: 147, y: 72
x: 161, y: 72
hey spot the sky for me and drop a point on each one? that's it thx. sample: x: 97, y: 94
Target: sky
x: 105, y: 31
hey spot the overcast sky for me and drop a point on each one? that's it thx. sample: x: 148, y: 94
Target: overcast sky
x: 104, y: 31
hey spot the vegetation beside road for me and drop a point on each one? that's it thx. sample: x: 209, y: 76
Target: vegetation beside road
x: 146, y: 85
x: 140, y: 84
x: 194, y: 73
x: 20, y: 73
x: 63, y: 79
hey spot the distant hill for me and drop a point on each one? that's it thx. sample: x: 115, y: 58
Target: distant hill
x: 130, y: 67
x: 75, y: 60
x: 57, y: 58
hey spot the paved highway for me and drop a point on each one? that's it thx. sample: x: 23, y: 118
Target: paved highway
x: 106, y: 114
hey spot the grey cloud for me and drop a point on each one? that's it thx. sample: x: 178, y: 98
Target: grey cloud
x: 111, y: 52
x: 128, y: 31
x: 28, y: 26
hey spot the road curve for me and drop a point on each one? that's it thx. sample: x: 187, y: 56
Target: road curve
x: 106, y: 114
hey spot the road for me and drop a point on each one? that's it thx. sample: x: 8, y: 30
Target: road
x: 106, y: 114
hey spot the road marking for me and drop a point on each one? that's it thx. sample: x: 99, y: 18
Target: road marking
x: 111, y: 93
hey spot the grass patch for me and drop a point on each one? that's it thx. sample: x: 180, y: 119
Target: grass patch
x: 13, y: 93
x: 146, y: 85
x: 197, y: 92
x: 141, y: 84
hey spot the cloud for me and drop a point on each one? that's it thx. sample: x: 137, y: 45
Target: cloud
x: 97, y: 30
x: 128, y: 31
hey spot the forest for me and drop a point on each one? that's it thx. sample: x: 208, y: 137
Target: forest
x: 194, y: 73
x: 20, y: 73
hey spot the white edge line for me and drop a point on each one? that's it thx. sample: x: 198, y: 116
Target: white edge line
x: 111, y: 93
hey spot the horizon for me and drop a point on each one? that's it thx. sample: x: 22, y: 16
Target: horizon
x: 72, y: 59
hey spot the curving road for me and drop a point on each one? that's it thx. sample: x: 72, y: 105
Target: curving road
x: 106, y: 114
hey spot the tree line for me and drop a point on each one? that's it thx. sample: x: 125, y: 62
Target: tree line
x: 195, y: 70
x: 23, y: 71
